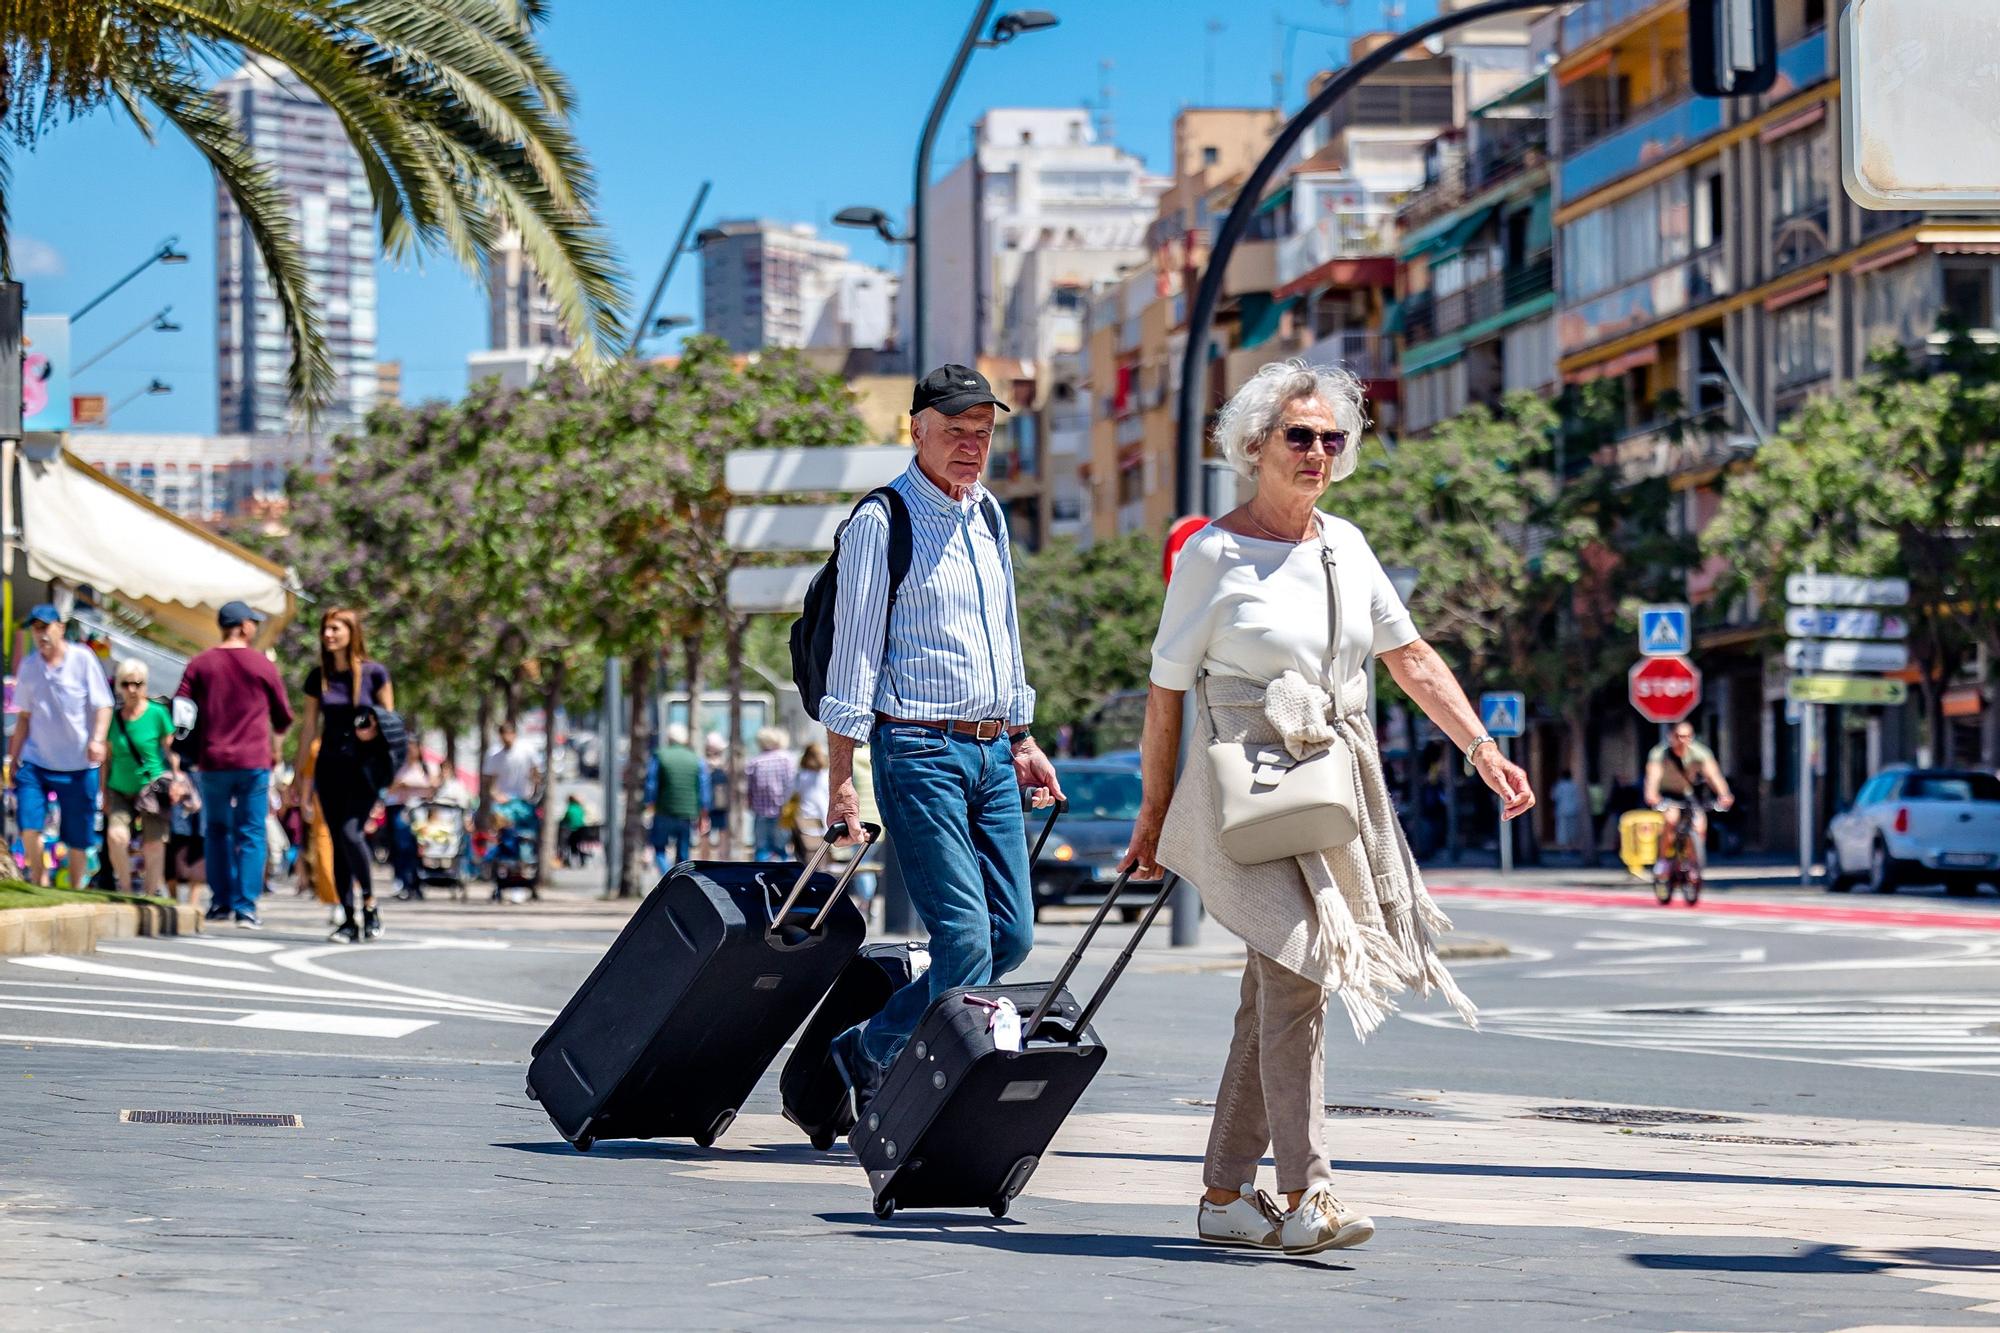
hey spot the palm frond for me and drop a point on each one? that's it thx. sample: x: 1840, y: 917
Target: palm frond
x: 264, y: 206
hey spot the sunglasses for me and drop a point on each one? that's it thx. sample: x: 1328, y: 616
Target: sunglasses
x: 131, y: 684
x: 1301, y: 438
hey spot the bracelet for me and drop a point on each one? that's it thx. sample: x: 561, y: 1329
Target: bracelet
x: 1472, y: 750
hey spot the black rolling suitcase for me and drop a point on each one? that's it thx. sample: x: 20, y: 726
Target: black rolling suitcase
x: 695, y: 998
x: 814, y: 1096
x: 960, y: 1122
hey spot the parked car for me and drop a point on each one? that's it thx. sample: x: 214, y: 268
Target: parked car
x: 1082, y: 856
x: 1917, y: 826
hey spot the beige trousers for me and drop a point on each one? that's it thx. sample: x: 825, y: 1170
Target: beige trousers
x: 1274, y: 1083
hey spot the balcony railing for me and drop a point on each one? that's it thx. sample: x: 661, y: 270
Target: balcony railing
x: 1800, y: 65
x: 1799, y: 239
x: 1644, y: 300
x: 1655, y: 131
x: 1463, y: 177
x: 1879, y: 222
x: 1669, y: 447
x: 1427, y: 315
x: 1419, y: 317
x: 1593, y: 18
x: 1344, y: 236
x: 1370, y: 356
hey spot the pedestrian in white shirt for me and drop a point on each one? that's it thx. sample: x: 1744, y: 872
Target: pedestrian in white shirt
x: 62, y: 704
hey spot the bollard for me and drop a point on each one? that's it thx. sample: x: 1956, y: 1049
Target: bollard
x: 1186, y: 901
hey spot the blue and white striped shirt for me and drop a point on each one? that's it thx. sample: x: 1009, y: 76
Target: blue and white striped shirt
x: 954, y: 651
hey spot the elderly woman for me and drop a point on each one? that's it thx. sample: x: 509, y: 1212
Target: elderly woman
x: 137, y: 804
x: 1249, y: 624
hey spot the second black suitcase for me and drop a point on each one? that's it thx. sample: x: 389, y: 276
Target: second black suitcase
x: 811, y: 1089
x: 695, y: 998
x: 960, y: 1121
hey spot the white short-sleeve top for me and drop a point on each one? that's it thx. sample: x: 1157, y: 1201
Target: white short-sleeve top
x: 1246, y: 606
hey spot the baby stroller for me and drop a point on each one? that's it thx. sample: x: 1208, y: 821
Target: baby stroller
x: 440, y: 828
x: 517, y: 862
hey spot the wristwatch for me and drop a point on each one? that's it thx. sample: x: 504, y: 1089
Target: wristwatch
x: 1472, y: 750
x: 1019, y: 738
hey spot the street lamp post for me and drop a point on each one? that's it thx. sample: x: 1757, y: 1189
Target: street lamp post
x: 168, y: 253
x: 154, y: 389
x: 1005, y: 29
x: 157, y: 322
x: 1194, y: 360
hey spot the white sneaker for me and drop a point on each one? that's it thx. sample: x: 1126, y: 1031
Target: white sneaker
x: 1251, y: 1220
x: 1322, y: 1222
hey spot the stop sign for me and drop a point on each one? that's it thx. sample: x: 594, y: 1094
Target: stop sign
x: 1665, y: 689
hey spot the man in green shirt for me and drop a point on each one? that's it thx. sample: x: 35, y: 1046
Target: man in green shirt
x: 676, y: 790
x: 1684, y: 772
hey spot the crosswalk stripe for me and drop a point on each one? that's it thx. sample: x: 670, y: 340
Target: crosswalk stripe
x: 348, y: 1025
x: 160, y: 956
x: 232, y: 946
x: 85, y: 967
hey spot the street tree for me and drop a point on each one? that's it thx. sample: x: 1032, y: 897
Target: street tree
x: 1088, y: 616
x: 459, y: 119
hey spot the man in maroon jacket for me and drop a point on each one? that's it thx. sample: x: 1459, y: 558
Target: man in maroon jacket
x: 242, y: 709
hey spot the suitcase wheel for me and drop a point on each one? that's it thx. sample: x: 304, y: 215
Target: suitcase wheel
x: 707, y: 1137
x: 533, y: 1096
x: 822, y: 1140
x: 885, y: 1208
x: 999, y: 1206
x: 583, y: 1144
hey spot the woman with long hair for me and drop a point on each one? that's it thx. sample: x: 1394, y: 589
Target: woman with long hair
x: 342, y: 694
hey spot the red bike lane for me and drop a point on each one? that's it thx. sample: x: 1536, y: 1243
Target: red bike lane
x: 1840, y: 913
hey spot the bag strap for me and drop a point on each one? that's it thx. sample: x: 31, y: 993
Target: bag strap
x: 126, y: 736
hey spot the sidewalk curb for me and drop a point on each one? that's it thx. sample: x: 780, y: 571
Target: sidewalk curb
x: 80, y: 927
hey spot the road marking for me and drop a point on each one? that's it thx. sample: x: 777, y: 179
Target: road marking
x: 1786, y: 911
x: 378, y: 1057
x: 1921, y: 1033
x: 437, y: 999
x: 160, y: 956
x: 1631, y: 967
x: 304, y: 960
x: 1619, y: 941
x: 345, y: 1025
x: 233, y: 946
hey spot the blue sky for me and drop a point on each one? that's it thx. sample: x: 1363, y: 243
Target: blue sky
x: 793, y: 109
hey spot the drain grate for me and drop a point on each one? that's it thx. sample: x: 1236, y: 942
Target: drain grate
x: 1744, y: 1138
x: 1630, y: 1115
x: 244, y: 1119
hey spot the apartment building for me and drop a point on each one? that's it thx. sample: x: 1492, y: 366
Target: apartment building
x: 772, y: 284
x: 207, y: 478
x: 1698, y: 238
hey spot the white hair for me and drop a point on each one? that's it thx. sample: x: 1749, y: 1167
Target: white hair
x: 1255, y: 411
x: 131, y: 669
x: 677, y: 733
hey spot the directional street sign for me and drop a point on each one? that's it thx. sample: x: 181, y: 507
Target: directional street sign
x: 1840, y: 590
x: 1806, y: 623
x: 753, y: 590
x: 1504, y: 713
x: 1844, y: 690
x: 1664, y: 689
x: 806, y: 470
x: 783, y: 527
x: 1663, y: 630
x: 1841, y: 655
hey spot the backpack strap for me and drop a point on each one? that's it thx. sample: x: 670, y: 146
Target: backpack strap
x: 901, y: 545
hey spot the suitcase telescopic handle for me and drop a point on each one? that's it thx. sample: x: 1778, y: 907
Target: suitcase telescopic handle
x: 1061, y: 807
x: 1069, y: 966
x: 834, y: 833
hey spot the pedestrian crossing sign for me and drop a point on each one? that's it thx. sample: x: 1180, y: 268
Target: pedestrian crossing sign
x: 1503, y: 712
x: 1663, y: 631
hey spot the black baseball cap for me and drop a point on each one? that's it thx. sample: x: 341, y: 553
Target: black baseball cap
x: 953, y: 389
x: 233, y: 614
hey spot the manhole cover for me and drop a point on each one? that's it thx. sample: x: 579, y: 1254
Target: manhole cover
x: 248, y: 1119
x: 1743, y: 1138
x: 1630, y: 1115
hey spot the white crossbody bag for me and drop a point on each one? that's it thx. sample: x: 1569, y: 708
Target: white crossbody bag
x: 1272, y: 805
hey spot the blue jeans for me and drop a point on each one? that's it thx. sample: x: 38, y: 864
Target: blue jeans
x: 403, y: 850
x: 769, y: 842
x: 677, y: 833
x: 952, y: 807
x: 234, y: 805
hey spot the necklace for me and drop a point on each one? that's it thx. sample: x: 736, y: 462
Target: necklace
x: 1274, y: 536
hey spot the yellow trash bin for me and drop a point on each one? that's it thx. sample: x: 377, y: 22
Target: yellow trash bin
x: 1639, y: 836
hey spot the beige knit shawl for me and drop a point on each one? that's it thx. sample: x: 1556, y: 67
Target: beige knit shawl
x: 1354, y: 918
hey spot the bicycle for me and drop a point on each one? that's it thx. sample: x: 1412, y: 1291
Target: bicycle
x: 1683, y: 854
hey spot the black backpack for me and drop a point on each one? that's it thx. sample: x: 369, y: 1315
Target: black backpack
x: 812, y: 632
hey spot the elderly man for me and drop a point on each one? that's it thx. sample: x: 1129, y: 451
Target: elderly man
x: 64, y: 714
x: 938, y: 692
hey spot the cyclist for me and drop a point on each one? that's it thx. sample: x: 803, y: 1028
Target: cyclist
x: 1682, y: 774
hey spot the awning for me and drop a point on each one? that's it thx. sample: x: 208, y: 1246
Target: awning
x: 80, y: 526
x: 1271, y: 203
x: 1452, y: 239
x: 1261, y: 317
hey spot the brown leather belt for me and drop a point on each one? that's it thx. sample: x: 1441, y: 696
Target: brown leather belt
x: 991, y: 729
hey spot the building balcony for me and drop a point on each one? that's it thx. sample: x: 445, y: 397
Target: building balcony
x: 1419, y: 317
x: 1489, y: 297
x: 1131, y: 430
x: 1347, y: 236
x: 1661, y: 295
x: 1586, y: 22
x: 1639, y: 138
x: 1466, y: 176
x: 1370, y: 356
x: 1800, y: 66
x: 1253, y: 267
x: 1670, y: 448
x: 1069, y: 436
x: 1132, y: 517
x: 1800, y: 239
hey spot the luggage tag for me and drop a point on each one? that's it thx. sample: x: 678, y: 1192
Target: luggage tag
x: 1003, y: 1020
x: 920, y: 962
